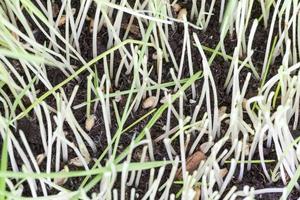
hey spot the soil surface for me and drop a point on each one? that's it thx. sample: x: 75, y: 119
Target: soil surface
x: 219, y: 68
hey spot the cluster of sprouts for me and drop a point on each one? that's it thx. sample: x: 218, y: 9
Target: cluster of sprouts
x: 202, y: 156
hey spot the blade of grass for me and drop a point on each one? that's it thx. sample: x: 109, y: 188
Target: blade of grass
x: 4, y: 163
x: 21, y: 95
x: 252, y: 161
x: 263, y: 80
x: 291, y: 184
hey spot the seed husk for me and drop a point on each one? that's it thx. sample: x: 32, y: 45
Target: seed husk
x: 76, y: 162
x: 206, y: 146
x: 222, y: 110
x: 149, y: 102
x: 192, y: 163
x: 62, y: 21
x: 63, y: 180
x: 90, y: 122
x: 223, y: 172
x: 198, y: 193
x: 181, y: 14
x: 40, y: 158
x: 91, y: 26
x: 176, y: 7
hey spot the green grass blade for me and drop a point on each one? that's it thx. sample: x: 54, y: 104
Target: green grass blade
x: 4, y: 163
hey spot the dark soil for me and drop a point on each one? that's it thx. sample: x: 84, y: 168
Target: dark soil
x: 219, y: 68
